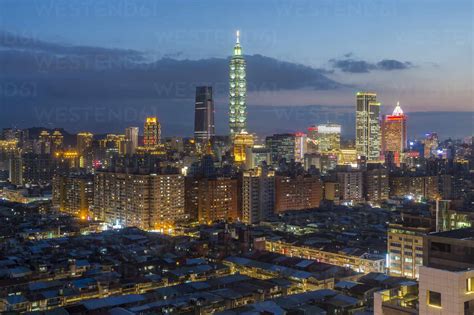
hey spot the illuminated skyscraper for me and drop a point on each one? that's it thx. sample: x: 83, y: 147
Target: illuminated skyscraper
x: 57, y: 140
x: 368, y: 126
x: 204, y: 114
x: 242, y: 141
x: 394, y: 133
x: 84, y: 142
x: 84, y: 148
x: 329, y: 137
x: 151, y: 132
x: 237, y: 91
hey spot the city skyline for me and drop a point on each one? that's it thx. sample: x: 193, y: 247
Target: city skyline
x: 155, y: 72
x: 230, y: 158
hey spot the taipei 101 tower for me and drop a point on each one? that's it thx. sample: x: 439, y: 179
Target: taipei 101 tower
x: 237, y: 91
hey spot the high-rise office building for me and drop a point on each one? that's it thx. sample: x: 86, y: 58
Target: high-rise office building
x: 151, y: 133
x: 258, y: 195
x: 242, y: 141
x: 281, y: 146
x: 394, y: 133
x: 131, y: 139
x: 368, y: 138
x: 204, y: 128
x: 256, y: 155
x: 328, y: 137
x: 237, y: 91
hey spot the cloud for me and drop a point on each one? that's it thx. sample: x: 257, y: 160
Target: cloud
x: 72, y: 73
x: 351, y: 65
x: 391, y: 64
x: 16, y: 41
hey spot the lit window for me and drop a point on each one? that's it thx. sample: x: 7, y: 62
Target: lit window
x: 470, y: 285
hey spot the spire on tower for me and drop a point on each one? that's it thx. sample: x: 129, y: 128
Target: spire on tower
x: 238, y: 37
x: 398, y: 110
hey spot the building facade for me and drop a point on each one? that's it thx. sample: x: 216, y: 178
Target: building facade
x: 329, y: 137
x: 405, y: 250
x: 376, y: 184
x: 204, y: 128
x: 297, y: 192
x: 415, y: 187
x: 281, y: 146
x: 258, y: 195
x: 446, y: 284
x: 394, y: 134
x: 151, y: 133
x: 351, y: 187
x: 147, y: 201
x: 368, y: 135
x: 131, y: 138
x: 74, y: 194
x: 237, y: 91
x: 242, y: 141
x: 218, y: 199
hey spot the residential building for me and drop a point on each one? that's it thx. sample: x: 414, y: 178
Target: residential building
x: 297, y: 192
x: 258, y: 195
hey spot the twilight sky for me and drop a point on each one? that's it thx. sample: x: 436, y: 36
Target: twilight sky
x: 419, y: 52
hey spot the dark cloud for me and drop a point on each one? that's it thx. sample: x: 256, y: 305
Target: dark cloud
x: 17, y: 41
x: 391, y: 64
x: 80, y: 72
x: 351, y: 65
x: 104, y: 89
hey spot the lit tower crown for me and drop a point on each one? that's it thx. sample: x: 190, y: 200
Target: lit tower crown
x: 394, y: 134
x: 237, y: 91
x: 398, y: 110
